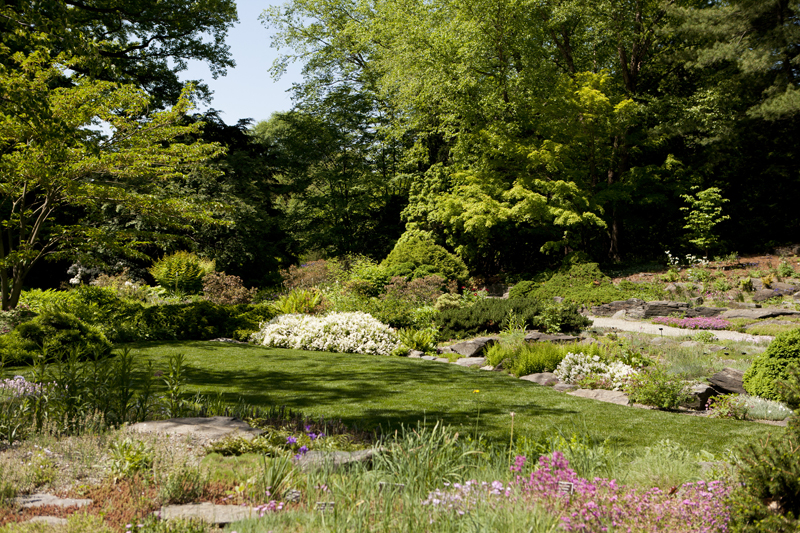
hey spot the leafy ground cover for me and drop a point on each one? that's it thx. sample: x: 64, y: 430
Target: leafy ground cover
x: 369, y: 391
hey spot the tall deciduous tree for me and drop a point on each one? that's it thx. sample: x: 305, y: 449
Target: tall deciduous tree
x: 143, y: 42
x: 52, y: 163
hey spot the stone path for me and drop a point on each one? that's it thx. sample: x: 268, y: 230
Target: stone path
x: 208, y: 512
x: 657, y: 329
x: 208, y: 429
x: 41, y: 499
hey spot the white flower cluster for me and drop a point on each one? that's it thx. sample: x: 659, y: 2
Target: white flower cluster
x: 676, y: 261
x: 335, y: 332
x: 576, y: 366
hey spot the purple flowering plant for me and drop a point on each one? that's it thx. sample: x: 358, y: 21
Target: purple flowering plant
x: 699, y: 322
x: 597, y: 505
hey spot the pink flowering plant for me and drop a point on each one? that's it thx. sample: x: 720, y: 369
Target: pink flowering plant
x: 699, y: 322
x: 597, y: 505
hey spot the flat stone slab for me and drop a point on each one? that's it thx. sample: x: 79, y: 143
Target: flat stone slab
x: 601, y: 395
x: 541, y: 378
x: 471, y: 361
x: 41, y: 499
x: 334, y: 460
x: 210, y: 428
x: 49, y: 520
x: 207, y: 512
x: 564, y: 387
x: 765, y: 312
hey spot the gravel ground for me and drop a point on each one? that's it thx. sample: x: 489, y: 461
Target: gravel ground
x: 647, y: 327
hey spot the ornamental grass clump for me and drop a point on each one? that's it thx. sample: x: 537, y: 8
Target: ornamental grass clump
x: 699, y: 322
x: 335, y: 332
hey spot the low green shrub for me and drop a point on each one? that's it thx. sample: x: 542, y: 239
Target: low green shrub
x: 423, y: 340
x: 772, y: 366
x: 746, y: 285
x: 785, y: 269
x: 493, y: 314
x: 727, y: 406
x: 52, y: 333
x: 657, y: 388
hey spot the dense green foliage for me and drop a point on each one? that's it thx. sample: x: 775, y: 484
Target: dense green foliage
x: 549, y: 127
x: 494, y: 314
x: 53, y: 334
x: 584, y: 284
x: 416, y: 256
x: 770, y: 368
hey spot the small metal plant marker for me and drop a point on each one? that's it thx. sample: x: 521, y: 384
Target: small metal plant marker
x: 324, y: 506
x: 566, y: 487
x: 383, y: 485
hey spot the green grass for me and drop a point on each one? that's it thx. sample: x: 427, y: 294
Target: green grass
x: 371, y: 391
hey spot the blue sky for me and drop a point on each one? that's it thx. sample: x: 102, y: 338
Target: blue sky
x: 248, y: 91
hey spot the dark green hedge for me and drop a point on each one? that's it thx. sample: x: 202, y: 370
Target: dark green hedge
x: 492, y: 315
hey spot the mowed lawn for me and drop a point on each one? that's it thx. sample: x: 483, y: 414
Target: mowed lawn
x: 369, y: 391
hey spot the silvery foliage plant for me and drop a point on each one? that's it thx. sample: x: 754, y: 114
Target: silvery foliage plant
x: 335, y: 332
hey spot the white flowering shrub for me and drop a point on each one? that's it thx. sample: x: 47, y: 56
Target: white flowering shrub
x: 576, y: 366
x: 335, y: 332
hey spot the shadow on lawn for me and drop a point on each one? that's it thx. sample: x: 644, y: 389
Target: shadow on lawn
x: 398, y: 391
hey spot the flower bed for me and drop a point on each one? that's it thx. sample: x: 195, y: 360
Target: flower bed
x: 335, y: 332
x: 700, y: 322
x: 598, y: 505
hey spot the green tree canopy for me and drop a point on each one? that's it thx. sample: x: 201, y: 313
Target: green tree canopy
x: 56, y: 171
x: 141, y: 42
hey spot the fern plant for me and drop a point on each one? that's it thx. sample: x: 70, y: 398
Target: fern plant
x: 181, y: 272
x: 299, y: 301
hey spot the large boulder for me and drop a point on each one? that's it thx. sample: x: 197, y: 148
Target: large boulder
x: 700, y: 393
x: 762, y: 295
x: 728, y: 380
x: 767, y: 312
x: 471, y: 348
